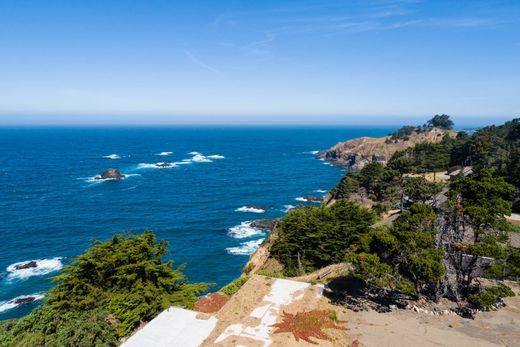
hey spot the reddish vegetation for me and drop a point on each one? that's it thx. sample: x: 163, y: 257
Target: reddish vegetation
x: 304, y: 325
x: 355, y: 343
x: 211, y: 303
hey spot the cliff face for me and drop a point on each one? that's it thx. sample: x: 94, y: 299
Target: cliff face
x: 356, y: 153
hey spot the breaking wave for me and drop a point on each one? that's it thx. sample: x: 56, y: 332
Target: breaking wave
x: 288, y: 208
x: 19, y: 300
x: 43, y: 267
x: 245, y: 248
x: 320, y: 191
x: 244, y: 230
x: 112, y: 156
x: 97, y: 179
x: 251, y: 209
x: 164, y: 153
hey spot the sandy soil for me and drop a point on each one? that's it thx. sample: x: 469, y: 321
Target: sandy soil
x: 406, y: 328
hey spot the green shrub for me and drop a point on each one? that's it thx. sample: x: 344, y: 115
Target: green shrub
x: 268, y: 273
x: 489, y: 297
x: 234, y: 286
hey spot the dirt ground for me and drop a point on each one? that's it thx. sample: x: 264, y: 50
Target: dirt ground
x: 239, y: 323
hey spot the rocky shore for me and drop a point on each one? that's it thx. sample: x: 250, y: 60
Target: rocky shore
x: 356, y: 153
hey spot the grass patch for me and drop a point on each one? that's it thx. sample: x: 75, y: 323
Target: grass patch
x: 234, y: 286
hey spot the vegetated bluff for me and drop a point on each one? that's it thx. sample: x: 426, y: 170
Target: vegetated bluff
x: 356, y: 153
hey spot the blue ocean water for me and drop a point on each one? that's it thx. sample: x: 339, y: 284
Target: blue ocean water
x: 50, y: 208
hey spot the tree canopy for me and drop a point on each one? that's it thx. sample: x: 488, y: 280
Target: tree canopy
x: 105, y: 294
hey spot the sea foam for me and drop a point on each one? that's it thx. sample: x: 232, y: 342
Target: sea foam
x: 245, y: 248
x: 288, y: 208
x: 244, y: 230
x: 43, y: 267
x: 201, y: 158
x: 8, y: 305
x: 112, y: 156
x: 164, y: 153
x: 250, y: 209
x: 98, y: 179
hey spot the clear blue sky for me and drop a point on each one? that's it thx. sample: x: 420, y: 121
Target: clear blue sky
x: 291, y: 62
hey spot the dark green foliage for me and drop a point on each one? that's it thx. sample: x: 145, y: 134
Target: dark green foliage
x: 402, y: 134
x: 506, y: 264
x: 484, y: 199
x: 47, y: 327
x: 409, y: 247
x: 417, y: 189
x: 310, y: 238
x: 105, y: 294
x: 489, y: 297
x: 371, y: 177
x: 440, y: 121
x: 234, y: 286
x: 346, y: 186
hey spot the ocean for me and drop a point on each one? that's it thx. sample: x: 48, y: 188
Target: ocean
x: 51, y: 207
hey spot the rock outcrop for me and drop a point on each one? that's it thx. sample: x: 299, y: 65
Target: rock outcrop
x: 28, y: 265
x: 111, y: 174
x: 268, y: 224
x: 356, y: 153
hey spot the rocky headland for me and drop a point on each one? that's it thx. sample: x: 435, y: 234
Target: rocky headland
x: 356, y: 153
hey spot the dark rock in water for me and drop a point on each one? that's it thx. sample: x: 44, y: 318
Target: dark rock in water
x: 268, y: 224
x: 111, y: 174
x: 313, y: 198
x: 28, y: 265
x: 26, y: 300
x: 164, y: 165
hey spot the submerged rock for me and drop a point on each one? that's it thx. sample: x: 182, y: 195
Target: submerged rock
x: 28, y: 265
x: 110, y: 174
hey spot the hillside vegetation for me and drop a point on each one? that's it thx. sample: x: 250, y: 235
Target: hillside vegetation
x: 105, y: 294
x: 447, y: 234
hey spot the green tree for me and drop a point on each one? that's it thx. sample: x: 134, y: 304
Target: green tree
x: 480, y: 203
x: 417, y: 189
x: 105, y: 294
x: 441, y: 121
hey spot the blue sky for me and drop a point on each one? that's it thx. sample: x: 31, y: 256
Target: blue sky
x: 258, y: 62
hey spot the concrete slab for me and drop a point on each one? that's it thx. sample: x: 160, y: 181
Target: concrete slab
x: 171, y: 328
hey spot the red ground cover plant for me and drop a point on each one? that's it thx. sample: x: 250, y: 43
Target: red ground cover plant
x: 304, y: 325
x: 211, y: 303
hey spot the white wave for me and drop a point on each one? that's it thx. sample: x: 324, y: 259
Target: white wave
x: 43, y: 267
x: 288, y: 208
x: 7, y: 305
x: 251, y: 209
x: 312, y: 152
x: 245, y: 248
x: 98, y: 179
x: 301, y: 199
x: 320, y: 191
x: 164, y: 153
x: 181, y: 162
x: 201, y: 158
x: 112, y: 156
x: 244, y: 230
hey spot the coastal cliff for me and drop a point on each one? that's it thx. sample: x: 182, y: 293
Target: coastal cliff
x: 356, y: 153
